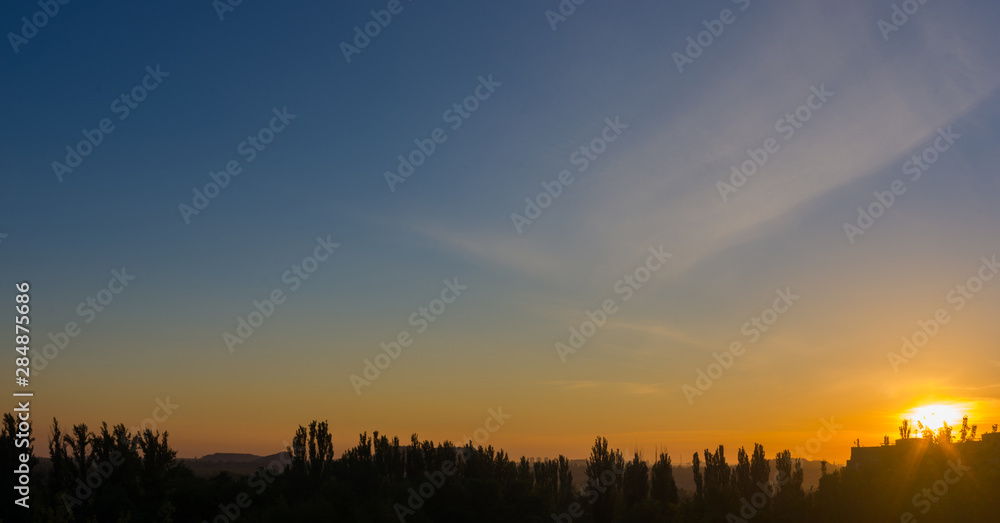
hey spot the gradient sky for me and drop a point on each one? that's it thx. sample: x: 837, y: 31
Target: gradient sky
x: 655, y: 185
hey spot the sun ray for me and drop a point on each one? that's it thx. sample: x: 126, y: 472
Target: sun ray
x: 934, y: 415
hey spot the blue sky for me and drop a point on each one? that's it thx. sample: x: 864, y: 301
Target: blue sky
x: 654, y: 185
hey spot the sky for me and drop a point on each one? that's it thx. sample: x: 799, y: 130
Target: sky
x: 866, y: 214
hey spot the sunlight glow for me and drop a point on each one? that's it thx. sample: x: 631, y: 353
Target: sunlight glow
x: 933, y: 416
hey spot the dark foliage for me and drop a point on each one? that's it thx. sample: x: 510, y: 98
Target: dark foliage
x: 116, y: 476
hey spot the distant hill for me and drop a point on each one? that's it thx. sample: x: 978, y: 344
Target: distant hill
x: 224, y: 457
x: 238, y: 464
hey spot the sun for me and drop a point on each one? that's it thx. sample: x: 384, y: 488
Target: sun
x: 935, y: 415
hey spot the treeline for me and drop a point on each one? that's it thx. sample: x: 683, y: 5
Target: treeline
x: 112, y: 475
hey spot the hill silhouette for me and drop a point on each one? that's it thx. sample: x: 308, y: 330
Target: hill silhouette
x: 234, y: 463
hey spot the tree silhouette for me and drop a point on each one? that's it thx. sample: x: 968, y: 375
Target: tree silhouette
x: 114, y: 475
x: 635, y: 482
x: 760, y: 467
x: 565, y: 483
x: 604, y: 470
x: 742, y: 482
x: 720, y: 496
x: 926, y: 432
x: 944, y: 433
x: 789, y: 502
x: 663, y: 488
x: 905, y: 429
x: 698, y: 480
x: 967, y: 433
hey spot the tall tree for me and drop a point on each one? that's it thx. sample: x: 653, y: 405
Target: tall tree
x: 604, y: 471
x: 905, y: 429
x: 742, y: 480
x: 720, y: 497
x: 698, y: 480
x: 79, y: 443
x: 415, y: 465
x: 967, y: 433
x: 635, y: 481
x: 944, y: 433
x: 789, y: 502
x: 565, y: 496
x: 157, y: 458
x: 321, y: 448
x: 663, y: 488
x: 760, y: 467
x: 297, y: 451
